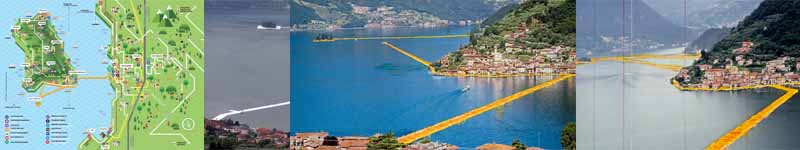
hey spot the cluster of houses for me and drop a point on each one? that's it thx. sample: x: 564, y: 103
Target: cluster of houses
x: 385, y: 16
x: 225, y: 129
x: 512, y: 58
x: 776, y: 71
x: 323, y: 141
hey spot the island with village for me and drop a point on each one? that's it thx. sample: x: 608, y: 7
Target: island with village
x: 517, y: 44
x: 45, y: 59
x: 510, y: 58
x: 739, y: 72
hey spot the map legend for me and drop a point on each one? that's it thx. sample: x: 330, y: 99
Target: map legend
x: 14, y: 129
x: 57, y: 128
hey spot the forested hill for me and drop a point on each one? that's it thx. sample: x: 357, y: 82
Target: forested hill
x: 551, y: 23
x: 765, y: 46
x: 538, y: 36
x: 773, y: 28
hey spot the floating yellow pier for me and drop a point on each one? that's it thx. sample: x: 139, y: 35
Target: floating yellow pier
x: 420, y: 60
x: 742, y: 129
x: 733, y: 135
x: 427, y: 131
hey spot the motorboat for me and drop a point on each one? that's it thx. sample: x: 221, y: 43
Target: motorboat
x: 260, y: 27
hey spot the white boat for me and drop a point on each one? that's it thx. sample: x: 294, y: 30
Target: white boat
x: 260, y: 27
x: 12, y: 66
x: 465, y: 89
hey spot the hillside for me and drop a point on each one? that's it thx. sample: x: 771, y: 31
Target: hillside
x: 673, y: 9
x: 765, y: 45
x: 724, y: 13
x: 707, y: 40
x: 600, y: 27
x: 316, y: 14
x: 538, y: 36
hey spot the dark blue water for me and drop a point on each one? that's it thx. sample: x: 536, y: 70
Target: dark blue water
x: 360, y: 88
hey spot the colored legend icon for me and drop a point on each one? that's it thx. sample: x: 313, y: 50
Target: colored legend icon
x: 6, y: 130
x: 47, y: 129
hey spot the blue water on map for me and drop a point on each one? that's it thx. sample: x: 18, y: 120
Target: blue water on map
x: 362, y: 88
x: 91, y: 100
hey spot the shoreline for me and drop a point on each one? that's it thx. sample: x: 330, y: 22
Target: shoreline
x: 292, y: 29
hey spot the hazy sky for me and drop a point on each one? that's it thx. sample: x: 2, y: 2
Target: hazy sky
x: 246, y: 67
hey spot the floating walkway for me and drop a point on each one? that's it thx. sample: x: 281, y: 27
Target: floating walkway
x: 93, y: 77
x: 637, y: 59
x: 737, y: 132
x: 395, y: 37
x: 60, y: 87
x: 733, y: 135
x: 427, y: 131
x: 420, y: 60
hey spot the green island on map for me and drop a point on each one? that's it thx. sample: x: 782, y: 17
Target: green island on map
x: 45, y: 60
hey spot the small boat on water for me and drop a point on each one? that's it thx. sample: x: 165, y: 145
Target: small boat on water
x: 465, y: 89
x: 75, y: 46
x: 95, y: 23
x: 12, y: 66
x: 260, y: 27
x: 268, y: 26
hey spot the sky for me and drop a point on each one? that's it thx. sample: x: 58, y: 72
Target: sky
x: 246, y: 67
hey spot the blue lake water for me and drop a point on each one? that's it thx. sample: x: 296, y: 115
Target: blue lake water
x: 633, y: 106
x: 91, y: 100
x: 362, y: 88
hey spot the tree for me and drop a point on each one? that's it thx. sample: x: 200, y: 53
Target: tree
x: 568, y: 137
x: 183, y: 28
x: 518, y: 145
x: 171, y: 89
x: 384, y: 142
x: 167, y: 23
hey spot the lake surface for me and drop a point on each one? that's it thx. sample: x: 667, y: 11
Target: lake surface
x: 248, y: 67
x: 91, y: 100
x: 362, y: 88
x: 632, y: 106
